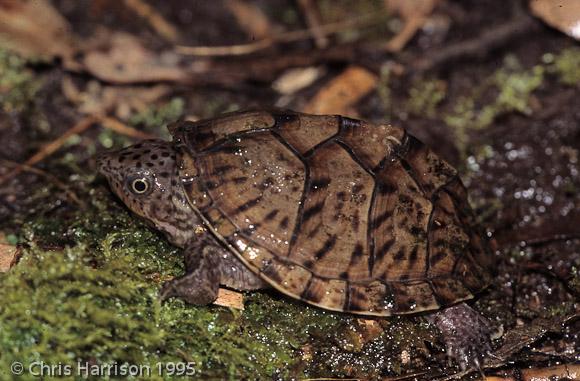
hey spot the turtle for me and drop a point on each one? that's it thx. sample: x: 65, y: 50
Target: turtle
x: 340, y: 213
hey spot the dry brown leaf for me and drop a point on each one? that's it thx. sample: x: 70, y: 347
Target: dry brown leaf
x: 342, y: 92
x: 229, y: 298
x: 250, y: 18
x: 293, y: 80
x: 560, y: 372
x: 126, y: 60
x: 369, y: 329
x: 35, y: 29
x: 99, y: 99
x: 562, y: 15
x: 8, y: 254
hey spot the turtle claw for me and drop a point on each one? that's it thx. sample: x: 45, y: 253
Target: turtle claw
x: 190, y: 289
x: 167, y: 291
x: 466, y: 335
x: 468, y: 357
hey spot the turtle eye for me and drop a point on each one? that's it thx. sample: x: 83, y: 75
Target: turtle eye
x: 139, y: 185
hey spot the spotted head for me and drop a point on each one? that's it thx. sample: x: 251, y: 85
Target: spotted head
x: 145, y: 177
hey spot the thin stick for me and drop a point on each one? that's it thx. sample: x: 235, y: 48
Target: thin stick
x: 157, y: 22
x: 295, y: 35
x: 479, y: 46
x: 51, y: 147
x: 123, y: 129
x: 78, y: 128
x: 313, y: 19
x: 59, y: 184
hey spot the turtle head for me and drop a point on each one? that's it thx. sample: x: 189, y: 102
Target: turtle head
x: 144, y: 176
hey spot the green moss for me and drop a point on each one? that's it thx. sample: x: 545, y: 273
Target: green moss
x: 384, y: 89
x: 154, y: 117
x: 56, y: 308
x: 17, y: 84
x: 510, y: 89
x: 425, y: 96
x: 95, y: 297
x: 565, y: 65
x: 515, y: 89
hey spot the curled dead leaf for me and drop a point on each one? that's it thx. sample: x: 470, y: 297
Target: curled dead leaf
x: 342, y: 92
x: 559, y: 372
x: 562, y: 15
x: 125, y: 60
x: 296, y: 79
x: 35, y: 29
x: 99, y: 99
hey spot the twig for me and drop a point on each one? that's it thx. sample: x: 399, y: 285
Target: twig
x: 157, y: 22
x: 250, y: 18
x: 313, y: 20
x: 410, y: 376
x: 59, y: 184
x: 78, y: 128
x: 491, y: 39
x: 123, y: 129
x: 292, y: 36
x: 51, y: 147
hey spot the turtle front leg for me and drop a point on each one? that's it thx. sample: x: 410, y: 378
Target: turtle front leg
x: 466, y: 333
x: 201, y: 281
x: 207, y: 265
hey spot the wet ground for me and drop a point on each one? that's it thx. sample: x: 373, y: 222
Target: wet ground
x: 508, y: 120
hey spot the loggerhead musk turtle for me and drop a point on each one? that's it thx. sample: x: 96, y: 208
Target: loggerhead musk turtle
x: 336, y: 212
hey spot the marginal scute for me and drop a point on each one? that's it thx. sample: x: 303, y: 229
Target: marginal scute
x: 334, y: 294
x: 314, y: 292
x: 258, y: 259
x: 449, y: 290
x: 447, y: 240
x: 372, y: 143
x: 368, y: 297
x: 203, y: 134
x: 471, y: 274
x: 479, y: 250
x: 432, y: 172
x: 413, y: 297
x: 304, y: 132
x: 400, y: 244
x: 343, y: 214
x: 293, y: 278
